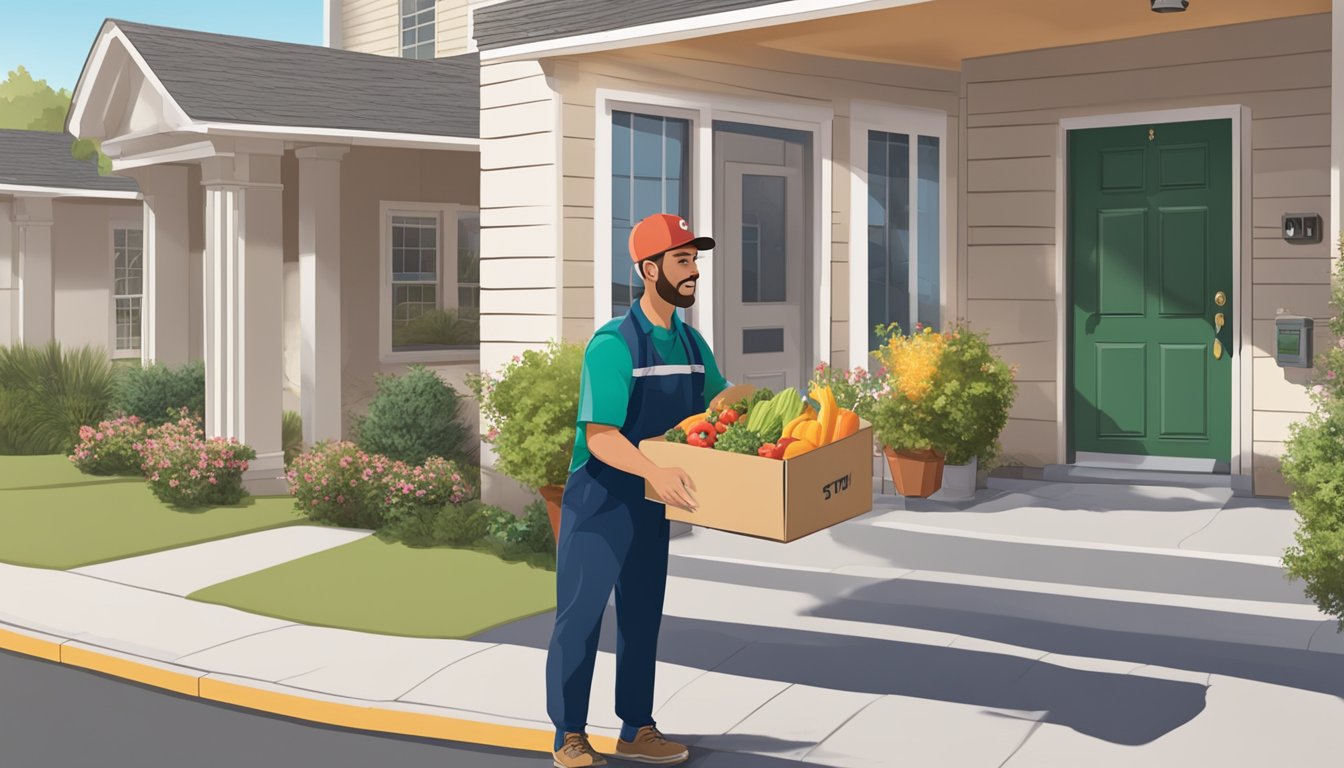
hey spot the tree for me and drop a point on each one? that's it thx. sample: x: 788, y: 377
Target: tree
x: 32, y: 105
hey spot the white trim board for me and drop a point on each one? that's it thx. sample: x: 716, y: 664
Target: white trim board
x: 1241, y: 448
x: 702, y: 109
x: 25, y: 190
x: 865, y: 117
x: 764, y: 15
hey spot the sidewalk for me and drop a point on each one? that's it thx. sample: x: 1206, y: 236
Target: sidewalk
x: 1035, y: 627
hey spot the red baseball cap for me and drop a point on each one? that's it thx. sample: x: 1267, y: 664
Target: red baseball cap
x: 663, y: 232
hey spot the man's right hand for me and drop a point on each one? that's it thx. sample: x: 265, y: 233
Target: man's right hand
x: 674, y: 486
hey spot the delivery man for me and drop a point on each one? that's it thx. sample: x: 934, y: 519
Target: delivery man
x: 642, y: 374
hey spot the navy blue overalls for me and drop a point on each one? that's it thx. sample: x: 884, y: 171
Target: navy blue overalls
x: 611, y: 536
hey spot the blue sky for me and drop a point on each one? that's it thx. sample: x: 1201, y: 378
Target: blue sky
x: 53, y: 46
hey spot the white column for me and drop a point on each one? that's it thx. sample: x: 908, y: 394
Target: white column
x: 167, y: 303
x: 243, y: 291
x: 32, y: 229
x: 9, y: 296
x: 320, y: 291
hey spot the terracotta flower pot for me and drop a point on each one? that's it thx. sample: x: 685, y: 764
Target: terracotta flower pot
x: 918, y: 474
x: 552, y: 494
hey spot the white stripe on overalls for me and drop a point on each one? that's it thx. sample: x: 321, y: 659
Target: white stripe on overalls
x: 669, y: 370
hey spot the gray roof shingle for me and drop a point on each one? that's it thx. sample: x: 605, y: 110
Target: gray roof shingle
x: 228, y: 79
x: 43, y: 159
x: 529, y: 21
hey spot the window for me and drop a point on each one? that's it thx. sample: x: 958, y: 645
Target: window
x: 128, y: 286
x: 650, y: 162
x: 904, y: 244
x: 417, y: 29
x: 431, y: 263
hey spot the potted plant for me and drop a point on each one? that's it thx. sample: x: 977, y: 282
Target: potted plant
x: 904, y: 420
x: 972, y: 392
x: 530, y: 409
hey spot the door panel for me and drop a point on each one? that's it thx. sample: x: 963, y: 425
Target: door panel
x: 1150, y: 221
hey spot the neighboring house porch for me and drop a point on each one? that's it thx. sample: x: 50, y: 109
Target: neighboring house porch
x: 322, y: 202
x: 925, y: 161
x: 70, y: 252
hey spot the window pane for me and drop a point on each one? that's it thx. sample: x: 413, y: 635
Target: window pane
x: 650, y: 170
x: 751, y: 261
x: 426, y: 51
x: 763, y: 204
x: 119, y: 238
x: 469, y: 249
x: 928, y: 229
x: 408, y: 6
x: 888, y: 231
x: 407, y: 37
x: 135, y: 238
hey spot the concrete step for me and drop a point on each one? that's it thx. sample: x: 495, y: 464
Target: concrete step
x: 1028, y: 478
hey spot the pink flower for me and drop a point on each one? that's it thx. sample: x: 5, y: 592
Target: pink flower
x: 1318, y: 389
x: 172, y: 483
x: 1329, y: 374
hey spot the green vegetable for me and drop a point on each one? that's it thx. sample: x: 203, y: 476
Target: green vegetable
x: 739, y: 439
x: 675, y: 435
x: 754, y: 403
x: 769, y: 418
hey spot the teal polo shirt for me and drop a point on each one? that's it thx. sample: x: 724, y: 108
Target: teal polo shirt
x: 609, y: 375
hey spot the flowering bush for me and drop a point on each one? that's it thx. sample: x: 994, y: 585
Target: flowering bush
x: 856, y: 389
x: 338, y: 483
x: 184, y: 468
x: 111, y: 448
x: 432, y: 484
x: 903, y: 419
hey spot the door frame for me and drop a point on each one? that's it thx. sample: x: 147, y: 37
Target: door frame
x: 1241, y: 416
x: 702, y: 109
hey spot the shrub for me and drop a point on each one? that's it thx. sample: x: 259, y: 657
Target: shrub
x: 531, y: 532
x: 111, y: 448
x: 973, y: 392
x: 1313, y: 464
x: 49, y: 393
x: 903, y: 416
x: 186, y: 469
x: 339, y: 484
x: 531, y: 410
x: 450, y: 525
x: 156, y: 393
x: 291, y: 436
x: 450, y: 327
x: 856, y: 390
x: 413, y: 416
x: 407, y: 488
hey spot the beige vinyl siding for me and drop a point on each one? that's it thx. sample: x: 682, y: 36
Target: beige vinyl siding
x: 371, y: 26
x: 1279, y: 69
x: 755, y: 75
x: 450, y: 28
x: 82, y: 269
x: 521, y: 296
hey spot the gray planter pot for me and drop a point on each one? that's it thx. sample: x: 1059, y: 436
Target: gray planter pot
x: 958, y: 482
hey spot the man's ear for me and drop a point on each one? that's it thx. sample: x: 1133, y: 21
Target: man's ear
x: 643, y: 269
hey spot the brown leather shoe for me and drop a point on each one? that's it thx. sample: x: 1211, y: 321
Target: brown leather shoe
x: 576, y: 752
x: 651, y: 746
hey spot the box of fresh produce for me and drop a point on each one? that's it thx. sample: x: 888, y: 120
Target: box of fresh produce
x: 768, y: 464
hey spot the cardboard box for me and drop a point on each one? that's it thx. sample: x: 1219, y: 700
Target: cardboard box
x: 771, y: 498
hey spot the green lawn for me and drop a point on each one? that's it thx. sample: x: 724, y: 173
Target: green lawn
x: 54, y: 516
x: 389, y: 588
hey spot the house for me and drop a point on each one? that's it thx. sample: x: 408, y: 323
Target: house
x: 321, y: 203
x: 1094, y: 184
x: 70, y: 248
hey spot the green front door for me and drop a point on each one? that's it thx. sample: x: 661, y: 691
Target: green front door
x: 1150, y: 249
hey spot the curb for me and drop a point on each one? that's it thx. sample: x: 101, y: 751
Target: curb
x: 326, y: 710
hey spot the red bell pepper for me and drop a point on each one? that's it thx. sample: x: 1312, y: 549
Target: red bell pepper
x: 702, y: 435
x: 728, y: 416
x: 766, y: 451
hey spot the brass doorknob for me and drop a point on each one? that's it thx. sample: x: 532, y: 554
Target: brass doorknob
x: 1220, y: 298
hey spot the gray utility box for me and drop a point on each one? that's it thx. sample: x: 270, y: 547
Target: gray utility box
x: 1292, y: 345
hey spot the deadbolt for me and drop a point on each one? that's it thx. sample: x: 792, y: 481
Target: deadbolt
x: 1220, y: 298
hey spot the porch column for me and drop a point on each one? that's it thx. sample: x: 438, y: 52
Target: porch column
x: 320, y: 291
x: 1336, y: 225
x: 32, y: 239
x: 164, y: 315
x: 243, y: 291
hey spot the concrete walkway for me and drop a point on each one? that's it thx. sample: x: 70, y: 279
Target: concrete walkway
x: 1052, y: 626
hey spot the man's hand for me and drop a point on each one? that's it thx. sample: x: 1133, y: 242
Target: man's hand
x: 674, y: 486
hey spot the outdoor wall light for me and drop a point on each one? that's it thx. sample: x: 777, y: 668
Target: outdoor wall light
x: 1170, y: 6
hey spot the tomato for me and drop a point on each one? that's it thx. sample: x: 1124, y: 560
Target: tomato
x: 728, y: 417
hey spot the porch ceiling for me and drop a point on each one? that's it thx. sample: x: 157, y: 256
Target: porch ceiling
x: 943, y: 33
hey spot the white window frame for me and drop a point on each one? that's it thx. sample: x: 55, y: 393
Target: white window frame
x: 433, y: 27
x: 702, y: 109
x: 447, y: 214
x: 869, y: 116
x: 113, y: 226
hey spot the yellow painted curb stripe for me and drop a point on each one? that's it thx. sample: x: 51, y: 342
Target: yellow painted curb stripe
x: 29, y: 646
x: 131, y: 670
x: 298, y: 707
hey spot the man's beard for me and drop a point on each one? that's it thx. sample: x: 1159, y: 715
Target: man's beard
x: 670, y: 292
